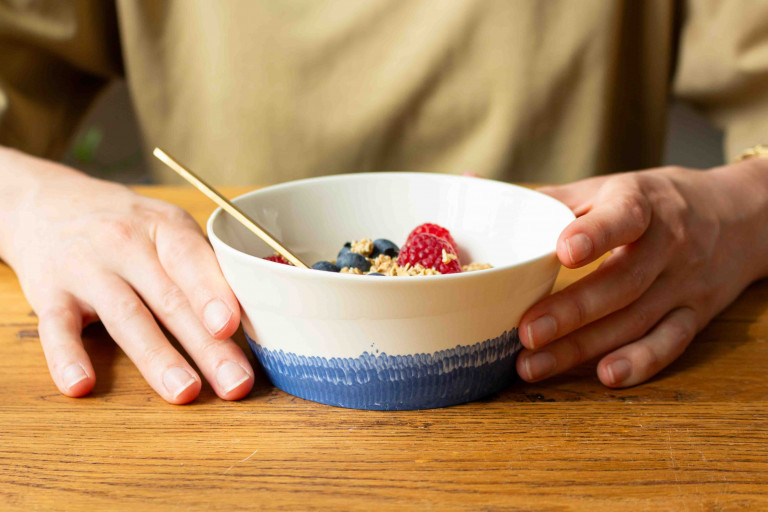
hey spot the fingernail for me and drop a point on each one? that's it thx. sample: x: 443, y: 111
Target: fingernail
x: 539, y: 365
x: 579, y: 247
x: 230, y: 375
x: 619, y: 371
x: 73, y: 374
x: 216, y: 316
x: 541, y: 330
x: 177, y: 379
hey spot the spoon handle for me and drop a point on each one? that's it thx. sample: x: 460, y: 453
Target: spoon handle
x: 226, y: 205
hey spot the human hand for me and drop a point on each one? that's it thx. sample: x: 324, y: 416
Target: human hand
x: 685, y: 243
x: 87, y: 250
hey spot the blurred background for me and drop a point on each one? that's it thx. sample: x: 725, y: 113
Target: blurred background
x: 108, y: 144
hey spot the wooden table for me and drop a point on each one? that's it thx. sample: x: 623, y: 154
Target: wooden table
x: 694, y: 438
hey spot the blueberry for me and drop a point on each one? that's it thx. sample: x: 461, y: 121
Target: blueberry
x: 375, y: 274
x: 325, y: 265
x: 384, y: 246
x: 353, y: 260
x: 344, y: 250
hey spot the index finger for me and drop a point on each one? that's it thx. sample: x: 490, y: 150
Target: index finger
x: 619, y: 217
x: 191, y: 264
x: 578, y: 195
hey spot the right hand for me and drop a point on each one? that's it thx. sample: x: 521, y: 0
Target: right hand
x: 86, y: 250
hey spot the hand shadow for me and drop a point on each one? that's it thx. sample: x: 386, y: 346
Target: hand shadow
x: 727, y: 331
x: 103, y: 351
x: 687, y: 379
x: 713, y: 353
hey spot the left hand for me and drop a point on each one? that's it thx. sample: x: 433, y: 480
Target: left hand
x: 685, y: 244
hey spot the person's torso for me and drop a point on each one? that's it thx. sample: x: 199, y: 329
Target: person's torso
x: 527, y: 90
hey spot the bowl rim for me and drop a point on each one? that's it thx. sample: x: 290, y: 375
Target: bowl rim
x: 289, y: 270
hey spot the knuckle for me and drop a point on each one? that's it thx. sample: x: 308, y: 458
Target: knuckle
x: 172, y: 214
x: 639, y: 209
x: 61, y: 314
x: 154, y: 354
x: 679, y: 333
x: 647, y: 358
x: 57, y: 316
x: 173, y: 301
x: 578, y: 311
x: 210, y: 348
x: 177, y: 253
x: 117, y: 230
x: 576, y: 350
x: 680, y: 241
x: 127, y: 309
x: 636, y: 277
x: 640, y: 320
x: 176, y: 214
x: 624, y: 184
x: 678, y: 233
x: 621, y: 181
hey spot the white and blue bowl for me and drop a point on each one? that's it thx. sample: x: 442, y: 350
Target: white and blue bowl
x: 388, y: 343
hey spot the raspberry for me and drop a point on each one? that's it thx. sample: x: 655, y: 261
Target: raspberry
x: 433, y: 229
x: 278, y: 259
x: 430, y: 251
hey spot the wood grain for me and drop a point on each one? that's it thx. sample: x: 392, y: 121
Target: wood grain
x: 694, y: 438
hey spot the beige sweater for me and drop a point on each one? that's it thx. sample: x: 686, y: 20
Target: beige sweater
x: 257, y: 92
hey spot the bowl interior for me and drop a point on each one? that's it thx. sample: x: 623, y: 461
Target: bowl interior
x: 492, y: 222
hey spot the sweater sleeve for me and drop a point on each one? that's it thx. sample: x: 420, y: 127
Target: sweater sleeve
x: 55, y: 56
x: 723, y: 68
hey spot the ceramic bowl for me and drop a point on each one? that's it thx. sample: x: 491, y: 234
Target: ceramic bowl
x: 373, y: 342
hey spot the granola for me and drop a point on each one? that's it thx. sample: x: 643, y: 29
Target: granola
x: 429, y: 250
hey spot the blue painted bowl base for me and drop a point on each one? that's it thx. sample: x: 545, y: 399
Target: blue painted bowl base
x: 383, y: 382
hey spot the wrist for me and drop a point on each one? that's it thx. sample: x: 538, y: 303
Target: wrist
x: 13, y: 187
x: 742, y: 187
x: 22, y: 178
